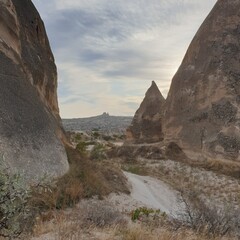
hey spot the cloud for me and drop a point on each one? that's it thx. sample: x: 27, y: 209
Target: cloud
x: 108, y: 52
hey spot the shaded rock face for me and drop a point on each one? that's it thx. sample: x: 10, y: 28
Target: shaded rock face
x: 146, y: 125
x: 131, y: 152
x: 202, y: 113
x: 30, y: 128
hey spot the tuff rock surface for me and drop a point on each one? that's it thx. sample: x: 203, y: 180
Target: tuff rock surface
x: 30, y: 128
x: 202, y: 114
x: 146, y: 125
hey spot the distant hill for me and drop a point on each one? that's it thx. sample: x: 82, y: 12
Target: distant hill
x: 103, y: 123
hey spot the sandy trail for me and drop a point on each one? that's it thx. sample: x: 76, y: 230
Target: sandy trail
x: 148, y: 192
x: 153, y: 193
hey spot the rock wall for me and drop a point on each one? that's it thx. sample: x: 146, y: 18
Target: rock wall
x: 30, y: 128
x: 202, y: 114
x: 146, y: 125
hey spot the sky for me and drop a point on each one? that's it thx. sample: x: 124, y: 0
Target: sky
x: 109, y: 51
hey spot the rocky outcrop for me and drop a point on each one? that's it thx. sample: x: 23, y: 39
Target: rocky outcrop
x: 146, y: 125
x: 203, y: 105
x: 30, y: 129
x: 130, y: 152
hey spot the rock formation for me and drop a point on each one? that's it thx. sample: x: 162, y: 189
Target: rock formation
x: 203, y: 106
x: 146, y: 125
x: 30, y: 128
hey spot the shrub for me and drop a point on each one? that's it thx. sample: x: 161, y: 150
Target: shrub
x: 96, y: 135
x: 99, y: 213
x: 14, y: 208
x: 78, y: 137
x: 98, y: 152
x: 107, y: 138
x: 134, y: 168
x: 139, y: 213
x: 82, y: 148
x: 210, y: 219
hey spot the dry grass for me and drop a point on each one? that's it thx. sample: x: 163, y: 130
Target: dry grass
x: 97, y: 178
x: 99, y: 214
x: 60, y: 227
x: 84, y: 180
x: 97, y: 220
x: 63, y: 228
x: 226, y: 167
x: 87, y: 219
x: 141, y: 232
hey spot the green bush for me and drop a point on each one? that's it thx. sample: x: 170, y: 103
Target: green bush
x: 78, y: 137
x: 14, y: 208
x: 98, y: 152
x: 138, y: 213
x: 96, y: 135
x: 82, y: 148
x: 134, y: 168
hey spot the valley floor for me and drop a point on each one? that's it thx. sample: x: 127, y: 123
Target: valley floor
x: 110, y: 219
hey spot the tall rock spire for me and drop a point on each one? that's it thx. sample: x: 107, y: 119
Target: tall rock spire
x: 203, y: 105
x: 146, y: 125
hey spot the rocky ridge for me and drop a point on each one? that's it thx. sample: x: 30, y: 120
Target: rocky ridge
x: 104, y: 123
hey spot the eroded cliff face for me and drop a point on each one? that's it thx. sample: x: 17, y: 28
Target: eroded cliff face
x: 24, y: 41
x: 147, y: 122
x: 29, y: 117
x: 203, y: 106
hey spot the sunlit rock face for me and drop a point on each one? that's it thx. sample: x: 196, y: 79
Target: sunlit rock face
x: 30, y: 129
x: 202, y: 114
x: 147, y: 122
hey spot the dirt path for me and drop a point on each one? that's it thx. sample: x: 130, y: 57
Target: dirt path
x: 147, y: 192
x: 153, y: 193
